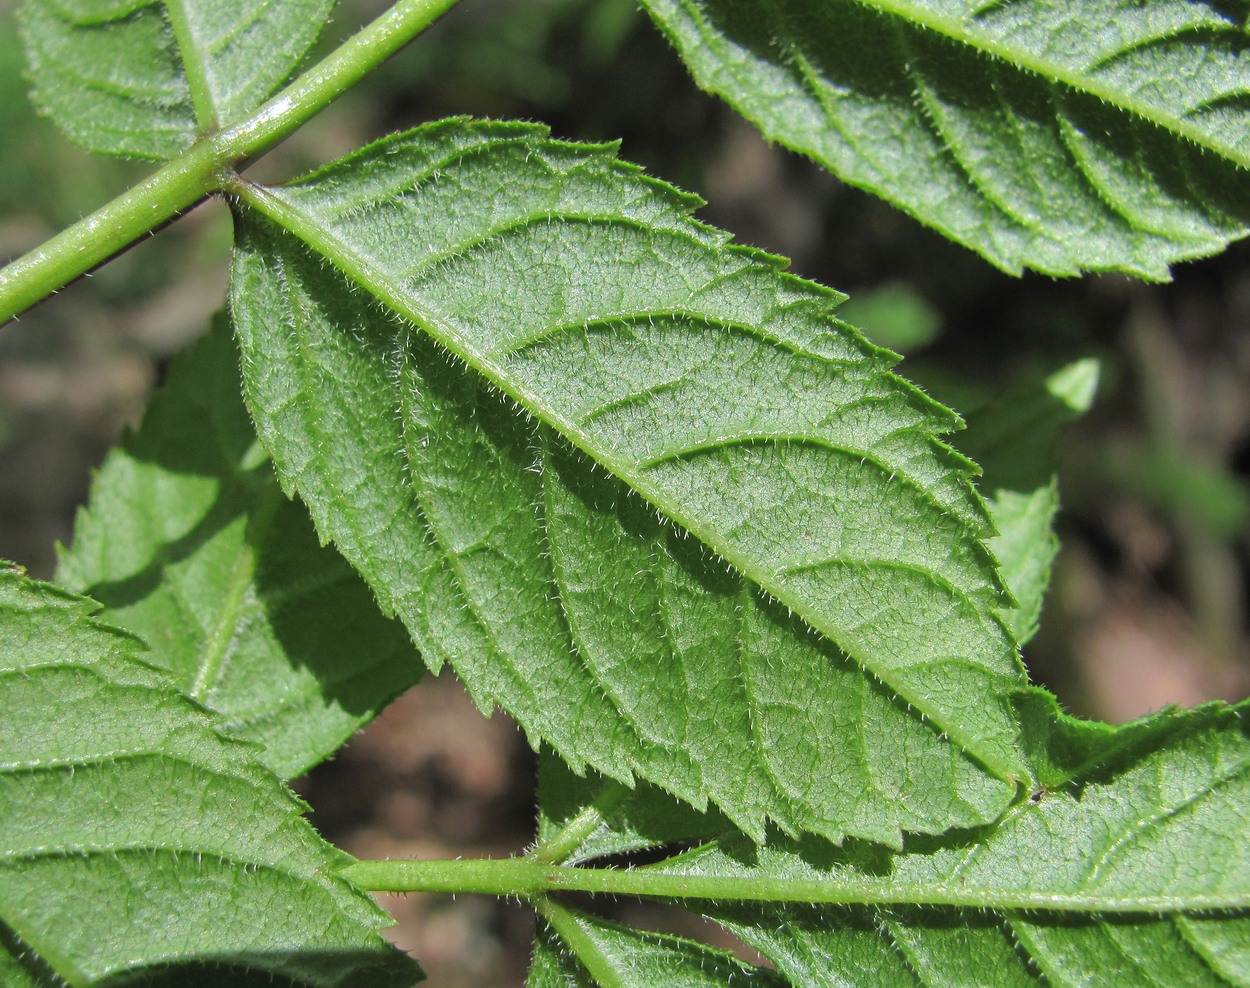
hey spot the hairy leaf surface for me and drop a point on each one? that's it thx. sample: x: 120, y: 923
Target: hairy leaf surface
x: 146, y: 77
x: 190, y: 544
x: 1057, y: 136
x: 578, y: 950
x: 133, y: 833
x: 1128, y: 869
x: 556, y: 331
x: 1160, y: 833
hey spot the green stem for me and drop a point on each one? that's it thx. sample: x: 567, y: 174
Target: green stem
x: 528, y: 877
x: 577, y: 831
x: 313, y: 91
x: 585, y: 949
x: 109, y: 230
x: 208, y: 164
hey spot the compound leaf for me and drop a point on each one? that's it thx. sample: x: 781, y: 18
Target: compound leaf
x: 1053, y: 136
x: 134, y: 834
x: 555, y: 335
x: 190, y: 544
x: 147, y: 77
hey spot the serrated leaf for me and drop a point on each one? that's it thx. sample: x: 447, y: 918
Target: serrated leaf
x: 1053, y: 136
x: 190, y: 545
x: 18, y: 967
x: 147, y: 77
x: 581, y: 304
x: 1066, y: 890
x: 133, y: 834
x: 1159, y: 834
x: 1016, y: 439
x: 574, y: 948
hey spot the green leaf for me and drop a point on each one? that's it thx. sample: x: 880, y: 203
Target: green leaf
x: 147, y: 77
x: 1015, y: 439
x: 574, y: 948
x: 1057, y: 136
x: 133, y: 834
x: 586, y: 817
x: 567, y: 333
x: 192, y: 547
x: 1126, y: 872
x: 1161, y: 833
x: 820, y: 946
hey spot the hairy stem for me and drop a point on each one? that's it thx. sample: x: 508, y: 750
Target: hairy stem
x: 570, y: 837
x: 586, y: 950
x: 313, y: 91
x: 109, y: 230
x: 207, y: 166
x: 528, y: 877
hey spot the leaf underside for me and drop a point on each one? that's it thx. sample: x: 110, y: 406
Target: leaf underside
x: 1062, y: 137
x: 133, y: 834
x: 146, y: 77
x: 629, y: 958
x: 556, y: 330
x: 1155, y: 822
x: 190, y: 545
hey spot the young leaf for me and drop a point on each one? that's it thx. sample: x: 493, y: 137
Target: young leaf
x: 190, y: 545
x: 581, y: 304
x: 585, y: 817
x: 1041, y: 135
x: 147, y: 77
x: 133, y: 834
x: 1015, y: 439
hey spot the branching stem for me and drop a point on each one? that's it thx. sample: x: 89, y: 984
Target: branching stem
x: 208, y: 165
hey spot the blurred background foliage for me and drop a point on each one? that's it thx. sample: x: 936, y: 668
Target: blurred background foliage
x: 1151, y: 591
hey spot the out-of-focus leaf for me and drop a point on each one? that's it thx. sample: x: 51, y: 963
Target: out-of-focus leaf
x: 893, y: 315
x: 1016, y: 439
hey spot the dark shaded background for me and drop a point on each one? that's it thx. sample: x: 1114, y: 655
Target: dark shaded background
x: 1149, y: 600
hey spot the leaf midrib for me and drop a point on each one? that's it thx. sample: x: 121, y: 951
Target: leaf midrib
x: 963, y: 33
x: 363, y: 272
x: 212, y: 652
x: 193, y: 65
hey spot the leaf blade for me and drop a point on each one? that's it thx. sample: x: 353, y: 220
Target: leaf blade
x: 1039, y: 135
x: 118, y: 792
x: 191, y: 547
x: 576, y: 948
x: 316, y: 362
x: 1015, y: 438
x: 1119, y: 786
x: 145, y: 78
